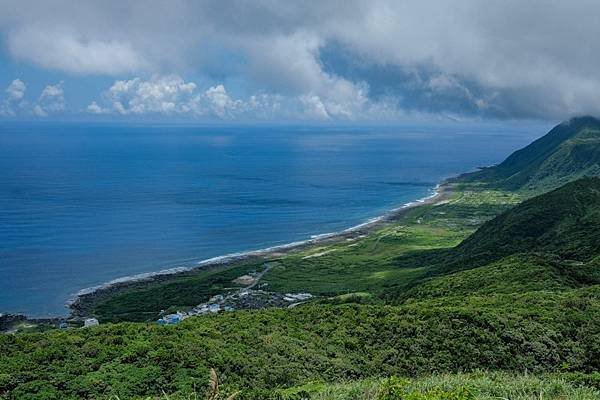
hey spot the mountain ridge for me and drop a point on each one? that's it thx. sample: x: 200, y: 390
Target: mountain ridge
x: 553, y: 237
x: 569, y: 151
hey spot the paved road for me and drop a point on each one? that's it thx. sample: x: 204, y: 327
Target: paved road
x: 259, y: 276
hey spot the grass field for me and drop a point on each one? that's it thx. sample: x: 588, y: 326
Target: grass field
x: 478, y: 385
x: 369, y: 264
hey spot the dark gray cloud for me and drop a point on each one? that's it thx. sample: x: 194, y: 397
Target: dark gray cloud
x: 515, y: 59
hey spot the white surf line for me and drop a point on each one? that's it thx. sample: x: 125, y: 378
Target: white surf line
x: 244, y: 254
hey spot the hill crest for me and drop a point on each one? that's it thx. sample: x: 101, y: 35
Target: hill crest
x: 571, y: 150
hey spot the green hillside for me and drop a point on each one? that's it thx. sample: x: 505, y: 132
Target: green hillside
x: 569, y: 151
x: 562, y: 224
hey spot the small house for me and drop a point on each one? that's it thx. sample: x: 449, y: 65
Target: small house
x: 90, y: 322
x: 172, y: 319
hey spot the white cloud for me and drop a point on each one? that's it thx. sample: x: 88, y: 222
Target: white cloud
x: 504, y: 57
x: 53, y: 92
x: 65, y: 51
x: 219, y: 101
x: 94, y: 108
x: 166, y: 95
x: 16, y: 90
x: 171, y: 95
x: 447, y: 84
x: 15, y: 98
x: 38, y: 111
x: 51, y: 100
x: 314, y: 107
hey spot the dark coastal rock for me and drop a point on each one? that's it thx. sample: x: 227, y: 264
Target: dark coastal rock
x: 8, y: 321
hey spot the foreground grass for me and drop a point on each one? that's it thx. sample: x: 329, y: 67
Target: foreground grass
x: 473, y: 386
x: 480, y: 386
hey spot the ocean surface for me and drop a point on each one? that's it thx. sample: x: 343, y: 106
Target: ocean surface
x: 82, y: 204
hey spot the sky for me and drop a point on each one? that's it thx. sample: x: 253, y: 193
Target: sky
x: 321, y: 60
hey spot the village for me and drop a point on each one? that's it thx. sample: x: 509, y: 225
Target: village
x: 246, y: 298
x: 250, y: 294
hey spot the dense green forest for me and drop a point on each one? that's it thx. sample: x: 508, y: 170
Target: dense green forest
x: 492, y: 293
x: 257, y: 351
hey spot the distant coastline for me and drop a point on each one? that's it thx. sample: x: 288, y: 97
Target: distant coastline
x: 79, y: 303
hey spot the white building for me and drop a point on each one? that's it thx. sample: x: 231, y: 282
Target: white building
x: 90, y: 322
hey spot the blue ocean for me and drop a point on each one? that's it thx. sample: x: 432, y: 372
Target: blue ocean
x: 82, y: 204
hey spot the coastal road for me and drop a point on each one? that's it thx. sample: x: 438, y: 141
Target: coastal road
x: 259, y: 276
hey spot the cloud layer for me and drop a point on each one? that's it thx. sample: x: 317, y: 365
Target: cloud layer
x: 50, y: 101
x: 331, y: 58
x: 171, y: 95
x: 67, y: 51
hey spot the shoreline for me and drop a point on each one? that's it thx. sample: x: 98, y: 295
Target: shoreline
x: 79, y: 302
